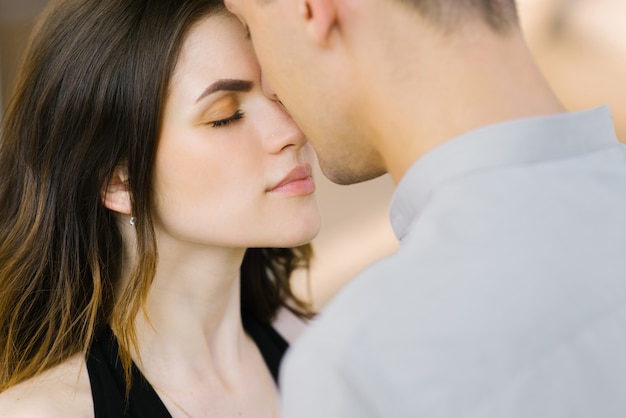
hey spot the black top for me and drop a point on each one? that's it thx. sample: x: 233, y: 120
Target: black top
x: 108, y: 385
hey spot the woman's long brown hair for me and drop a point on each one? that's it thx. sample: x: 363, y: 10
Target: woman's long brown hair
x: 90, y: 97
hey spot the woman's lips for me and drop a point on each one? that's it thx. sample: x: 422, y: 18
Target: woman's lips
x: 297, y: 182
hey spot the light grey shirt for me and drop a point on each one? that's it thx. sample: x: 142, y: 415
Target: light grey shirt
x: 507, y: 297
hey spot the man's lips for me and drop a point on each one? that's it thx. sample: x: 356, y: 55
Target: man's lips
x: 298, y: 181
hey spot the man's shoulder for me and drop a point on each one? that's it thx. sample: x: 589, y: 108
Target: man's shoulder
x: 61, y: 391
x: 456, y: 303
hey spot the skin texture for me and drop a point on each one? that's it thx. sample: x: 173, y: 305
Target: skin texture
x: 215, y: 196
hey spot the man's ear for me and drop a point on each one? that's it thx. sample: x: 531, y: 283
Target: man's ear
x: 114, y: 194
x: 320, y: 17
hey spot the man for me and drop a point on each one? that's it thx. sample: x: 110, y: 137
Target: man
x: 507, y: 297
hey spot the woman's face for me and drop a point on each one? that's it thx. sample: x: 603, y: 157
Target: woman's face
x: 232, y: 168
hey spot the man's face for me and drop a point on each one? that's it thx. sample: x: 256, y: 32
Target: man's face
x: 314, y: 83
x: 284, y: 53
x: 288, y: 62
x: 268, y: 23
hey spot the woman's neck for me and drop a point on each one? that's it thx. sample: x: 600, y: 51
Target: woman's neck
x: 192, y: 347
x: 192, y: 319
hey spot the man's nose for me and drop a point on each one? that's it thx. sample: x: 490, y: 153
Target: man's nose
x: 268, y: 90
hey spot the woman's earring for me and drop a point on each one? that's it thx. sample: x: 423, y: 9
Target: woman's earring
x: 132, y: 220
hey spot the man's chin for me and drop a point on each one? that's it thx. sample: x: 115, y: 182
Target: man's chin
x: 343, y: 174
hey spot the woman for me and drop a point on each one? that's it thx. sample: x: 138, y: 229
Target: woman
x: 148, y: 190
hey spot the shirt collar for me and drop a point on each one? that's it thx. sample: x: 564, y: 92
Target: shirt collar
x: 521, y: 141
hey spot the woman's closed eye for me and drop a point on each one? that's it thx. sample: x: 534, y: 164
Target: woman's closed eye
x: 224, y: 122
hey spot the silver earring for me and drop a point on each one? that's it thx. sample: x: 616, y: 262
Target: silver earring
x: 132, y: 220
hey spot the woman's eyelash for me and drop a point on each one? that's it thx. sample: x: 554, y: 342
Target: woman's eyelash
x: 219, y: 123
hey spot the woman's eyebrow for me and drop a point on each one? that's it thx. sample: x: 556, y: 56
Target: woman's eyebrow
x: 226, y: 85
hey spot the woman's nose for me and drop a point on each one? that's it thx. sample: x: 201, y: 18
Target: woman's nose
x: 281, y: 132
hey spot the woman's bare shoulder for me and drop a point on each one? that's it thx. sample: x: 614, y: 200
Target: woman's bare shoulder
x: 62, y: 391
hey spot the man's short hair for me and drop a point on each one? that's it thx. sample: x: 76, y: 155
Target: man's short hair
x: 499, y: 15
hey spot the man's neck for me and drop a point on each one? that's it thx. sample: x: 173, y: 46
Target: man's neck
x: 435, y: 86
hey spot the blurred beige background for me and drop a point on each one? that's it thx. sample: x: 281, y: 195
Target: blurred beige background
x: 580, y: 46
x: 16, y: 21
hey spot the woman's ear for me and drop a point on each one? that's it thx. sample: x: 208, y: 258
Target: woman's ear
x: 320, y: 17
x: 114, y: 194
